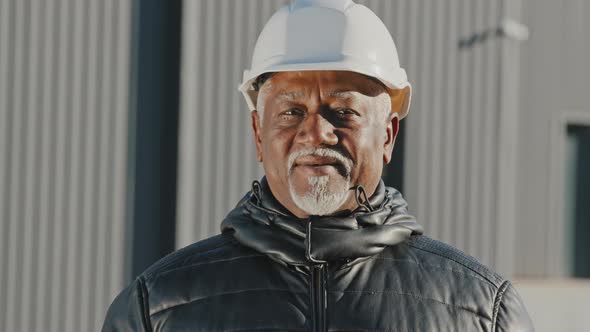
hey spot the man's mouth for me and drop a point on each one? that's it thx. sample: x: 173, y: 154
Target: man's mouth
x: 320, y: 161
x: 315, y: 165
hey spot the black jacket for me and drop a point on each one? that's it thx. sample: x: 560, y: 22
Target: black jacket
x: 371, y: 270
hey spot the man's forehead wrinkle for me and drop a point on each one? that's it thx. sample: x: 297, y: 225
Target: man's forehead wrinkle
x: 290, y: 95
x: 344, y: 94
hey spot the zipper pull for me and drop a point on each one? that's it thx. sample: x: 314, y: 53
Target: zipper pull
x: 308, y: 249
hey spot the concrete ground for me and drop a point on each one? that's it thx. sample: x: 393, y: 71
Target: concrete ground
x: 557, y: 305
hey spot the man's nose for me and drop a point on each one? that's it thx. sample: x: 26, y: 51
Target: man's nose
x: 316, y: 130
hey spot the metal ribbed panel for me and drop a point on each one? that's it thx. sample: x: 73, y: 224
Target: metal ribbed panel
x: 450, y: 153
x: 63, y: 125
x: 5, y: 120
x: 217, y: 157
x: 554, y: 95
x: 452, y: 131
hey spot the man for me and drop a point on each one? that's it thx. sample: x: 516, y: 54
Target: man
x: 321, y: 244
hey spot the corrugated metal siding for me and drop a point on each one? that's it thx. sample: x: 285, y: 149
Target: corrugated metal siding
x: 555, y: 94
x: 217, y: 160
x: 63, y: 152
x: 451, y: 160
x: 452, y: 153
x: 509, y: 146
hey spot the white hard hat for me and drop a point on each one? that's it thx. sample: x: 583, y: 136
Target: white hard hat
x: 327, y: 35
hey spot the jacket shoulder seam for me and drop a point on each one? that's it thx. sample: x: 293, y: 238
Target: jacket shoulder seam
x: 416, y: 296
x: 186, y: 267
x: 485, y: 276
x: 168, y: 265
x: 440, y: 267
x: 144, y: 302
x: 497, y: 302
x: 197, y: 299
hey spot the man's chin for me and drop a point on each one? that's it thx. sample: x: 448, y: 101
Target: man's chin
x: 309, y: 184
x: 319, y: 195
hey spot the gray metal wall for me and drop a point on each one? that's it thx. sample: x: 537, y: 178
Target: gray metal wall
x: 217, y: 162
x: 459, y: 159
x: 63, y: 157
x: 555, y: 90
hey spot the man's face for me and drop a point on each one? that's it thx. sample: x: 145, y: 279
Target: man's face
x: 321, y: 133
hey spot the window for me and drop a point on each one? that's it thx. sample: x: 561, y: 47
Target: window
x: 577, y: 200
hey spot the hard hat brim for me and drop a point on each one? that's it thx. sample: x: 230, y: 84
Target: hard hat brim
x: 395, y: 79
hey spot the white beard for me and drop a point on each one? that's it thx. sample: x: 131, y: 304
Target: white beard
x: 320, y: 200
x: 322, y: 196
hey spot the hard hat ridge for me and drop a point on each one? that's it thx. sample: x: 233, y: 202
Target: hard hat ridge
x: 340, y: 5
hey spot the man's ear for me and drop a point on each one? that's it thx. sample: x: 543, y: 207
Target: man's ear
x: 257, y: 131
x: 390, y: 134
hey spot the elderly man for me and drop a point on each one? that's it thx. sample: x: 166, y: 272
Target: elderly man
x: 321, y: 244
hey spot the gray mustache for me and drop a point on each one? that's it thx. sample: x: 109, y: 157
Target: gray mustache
x: 344, y: 164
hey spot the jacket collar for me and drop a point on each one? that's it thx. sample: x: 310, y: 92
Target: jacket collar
x: 260, y: 222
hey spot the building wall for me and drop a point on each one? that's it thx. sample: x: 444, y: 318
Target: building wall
x: 555, y: 86
x: 456, y: 160
x: 63, y: 161
x: 217, y: 162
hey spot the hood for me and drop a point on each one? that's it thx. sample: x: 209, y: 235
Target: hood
x: 260, y: 222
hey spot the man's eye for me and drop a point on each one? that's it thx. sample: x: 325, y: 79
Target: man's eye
x: 344, y: 112
x: 292, y: 112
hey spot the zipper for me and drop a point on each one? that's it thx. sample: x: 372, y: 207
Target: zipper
x: 319, y: 299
